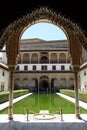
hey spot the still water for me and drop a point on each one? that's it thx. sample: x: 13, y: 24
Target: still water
x: 36, y: 102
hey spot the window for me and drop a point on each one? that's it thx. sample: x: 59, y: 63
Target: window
x: 44, y: 59
x: 84, y: 72
x: 3, y: 73
x: 25, y: 67
x: 53, y: 67
x: 62, y: 67
x: 17, y: 68
x: 34, y: 67
x: 44, y: 67
x: 70, y: 67
x: 2, y: 86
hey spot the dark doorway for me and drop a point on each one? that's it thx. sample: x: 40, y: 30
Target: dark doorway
x: 44, y: 86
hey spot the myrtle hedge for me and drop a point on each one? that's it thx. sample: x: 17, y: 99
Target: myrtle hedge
x: 71, y: 93
x: 4, y: 96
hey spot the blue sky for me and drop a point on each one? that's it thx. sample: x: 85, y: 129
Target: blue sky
x: 45, y: 31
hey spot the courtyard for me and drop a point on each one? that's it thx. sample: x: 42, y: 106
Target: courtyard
x: 27, y: 121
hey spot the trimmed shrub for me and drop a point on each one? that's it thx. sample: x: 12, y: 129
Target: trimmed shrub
x: 4, y: 96
x: 71, y: 93
x: 67, y: 92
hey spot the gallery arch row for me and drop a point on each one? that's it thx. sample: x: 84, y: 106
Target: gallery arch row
x: 52, y: 82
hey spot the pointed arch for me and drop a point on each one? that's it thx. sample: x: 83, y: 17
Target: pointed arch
x: 62, y: 58
x: 53, y: 58
x: 63, y: 83
x: 26, y: 83
x: 34, y: 85
x: 43, y: 14
x: 26, y: 58
x: 34, y: 58
x: 17, y: 84
x: 12, y: 34
x: 54, y: 85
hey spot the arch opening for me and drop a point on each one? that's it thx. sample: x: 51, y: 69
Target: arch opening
x: 44, y: 84
x: 44, y: 30
x: 12, y: 35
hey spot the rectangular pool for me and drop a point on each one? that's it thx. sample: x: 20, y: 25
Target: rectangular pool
x: 36, y: 102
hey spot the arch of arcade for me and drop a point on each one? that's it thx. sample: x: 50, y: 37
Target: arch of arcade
x: 12, y: 34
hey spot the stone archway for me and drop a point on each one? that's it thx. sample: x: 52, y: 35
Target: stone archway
x: 42, y: 14
x: 34, y: 85
x: 54, y: 85
x: 12, y: 34
x: 44, y: 84
x: 17, y: 84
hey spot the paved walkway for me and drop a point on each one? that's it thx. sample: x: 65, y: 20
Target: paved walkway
x: 4, y: 105
x: 20, y: 123
x: 82, y: 104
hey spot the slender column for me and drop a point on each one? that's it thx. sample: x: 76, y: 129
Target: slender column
x: 66, y: 58
x: 12, y: 51
x: 22, y: 60
x: 50, y: 85
x: 77, y: 109
x: 57, y: 57
x: 30, y: 57
x: 39, y: 58
x: 10, y: 108
x: 49, y: 57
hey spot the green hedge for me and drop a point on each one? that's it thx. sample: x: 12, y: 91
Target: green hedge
x: 4, y: 96
x: 71, y: 93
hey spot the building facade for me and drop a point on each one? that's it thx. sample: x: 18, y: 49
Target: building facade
x: 83, y: 77
x: 44, y: 66
x: 4, y: 77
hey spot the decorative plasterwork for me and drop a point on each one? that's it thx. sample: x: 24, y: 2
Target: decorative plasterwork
x: 43, y: 13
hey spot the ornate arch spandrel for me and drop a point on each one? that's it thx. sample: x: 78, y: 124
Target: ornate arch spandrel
x: 43, y: 14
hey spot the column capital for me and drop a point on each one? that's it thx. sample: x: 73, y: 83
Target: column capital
x: 75, y: 68
x: 12, y: 68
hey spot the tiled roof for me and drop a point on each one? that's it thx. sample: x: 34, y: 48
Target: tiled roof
x: 37, y: 44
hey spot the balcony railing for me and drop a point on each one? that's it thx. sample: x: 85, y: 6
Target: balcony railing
x: 43, y: 67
